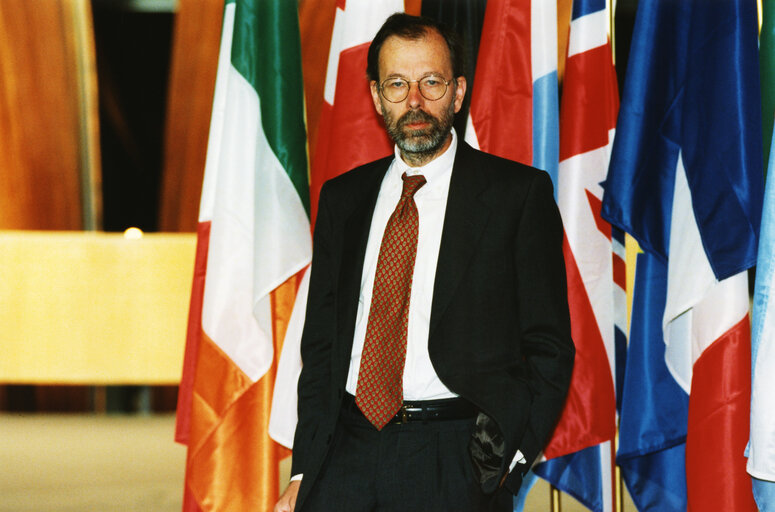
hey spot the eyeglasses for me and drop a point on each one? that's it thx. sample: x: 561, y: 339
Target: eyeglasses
x: 397, y: 89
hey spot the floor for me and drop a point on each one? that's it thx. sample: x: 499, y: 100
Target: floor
x: 79, y: 463
x: 98, y: 463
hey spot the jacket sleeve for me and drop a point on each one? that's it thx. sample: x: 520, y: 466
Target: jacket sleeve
x: 546, y: 344
x: 317, y: 340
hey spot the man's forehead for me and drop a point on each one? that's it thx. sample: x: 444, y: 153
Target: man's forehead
x: 431, y: 48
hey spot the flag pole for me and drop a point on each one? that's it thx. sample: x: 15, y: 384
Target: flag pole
x: 618, y: 481
x: 554, y: 499
x: 611, y: 31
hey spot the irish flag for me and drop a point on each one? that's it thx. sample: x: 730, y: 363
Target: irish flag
x: 253, y: 239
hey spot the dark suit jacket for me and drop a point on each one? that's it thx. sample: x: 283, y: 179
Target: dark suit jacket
x: 499, y: 327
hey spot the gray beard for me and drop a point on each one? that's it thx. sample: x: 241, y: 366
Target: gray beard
x: 419, y: 145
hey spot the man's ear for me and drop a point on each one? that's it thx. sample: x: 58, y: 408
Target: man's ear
x: 460, y: 92
x: 375, y: 96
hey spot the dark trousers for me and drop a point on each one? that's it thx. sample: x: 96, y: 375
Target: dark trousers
x: 411, y: 467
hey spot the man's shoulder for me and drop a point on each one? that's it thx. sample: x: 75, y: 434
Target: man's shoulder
x: 360, y: 175
x: 501, y: 168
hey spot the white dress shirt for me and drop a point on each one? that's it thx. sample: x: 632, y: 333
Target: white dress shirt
x: 420, y: 379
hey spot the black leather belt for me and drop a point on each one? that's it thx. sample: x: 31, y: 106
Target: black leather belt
x: 425, y: 410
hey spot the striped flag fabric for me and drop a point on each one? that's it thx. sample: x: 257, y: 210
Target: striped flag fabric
x: 596, y: 273
x: 685, y: 181
x: 761, y: 453
x: 514, y: 110
x: 253, y: 236
x: 349, y: 134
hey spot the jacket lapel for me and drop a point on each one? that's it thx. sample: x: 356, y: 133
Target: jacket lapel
x: 354, y: 239
x: 464, y: 223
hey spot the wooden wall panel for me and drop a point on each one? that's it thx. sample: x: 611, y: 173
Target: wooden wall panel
x: 43, y: 139
x: 192, y: 84
x: 93, y: 308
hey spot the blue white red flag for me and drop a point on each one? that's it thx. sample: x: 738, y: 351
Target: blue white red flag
x: 587, y: 121
x: 686, y: 180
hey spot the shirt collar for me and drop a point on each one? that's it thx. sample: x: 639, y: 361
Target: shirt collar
x: 433, y: 169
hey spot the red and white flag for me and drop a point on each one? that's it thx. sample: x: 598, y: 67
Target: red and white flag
x: 350, y: 133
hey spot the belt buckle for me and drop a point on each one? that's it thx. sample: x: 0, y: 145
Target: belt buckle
x: 403, y: 418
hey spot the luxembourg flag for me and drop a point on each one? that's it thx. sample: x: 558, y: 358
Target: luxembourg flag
x: 253, y: 236
x: 349, y: 134
x: 686, y: 181
x: 514, y: 106
x: 587, y: 121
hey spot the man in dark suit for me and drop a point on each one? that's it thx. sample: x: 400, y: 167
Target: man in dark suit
x: 436, y: 349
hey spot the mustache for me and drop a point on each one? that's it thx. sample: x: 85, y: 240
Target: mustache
x: 414, y: 116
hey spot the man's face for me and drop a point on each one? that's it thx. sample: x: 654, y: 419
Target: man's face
x: 417, y: 125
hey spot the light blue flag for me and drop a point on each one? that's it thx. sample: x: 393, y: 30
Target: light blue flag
x: 761, y: 455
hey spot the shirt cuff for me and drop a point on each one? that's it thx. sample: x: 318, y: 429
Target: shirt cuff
x: 518, y: 459
x: 297, y: 477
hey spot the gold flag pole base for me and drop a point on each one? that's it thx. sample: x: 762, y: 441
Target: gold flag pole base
x: 554, y: 499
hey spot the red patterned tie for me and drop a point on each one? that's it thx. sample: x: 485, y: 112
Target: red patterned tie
x: 379, y: 394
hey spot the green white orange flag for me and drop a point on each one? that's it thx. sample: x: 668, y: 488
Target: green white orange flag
x: 253, y: 237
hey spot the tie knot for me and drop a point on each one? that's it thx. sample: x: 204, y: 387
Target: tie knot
x: 412, y: 184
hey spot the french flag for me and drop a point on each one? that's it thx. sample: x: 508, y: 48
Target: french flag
x: 686, y: 181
